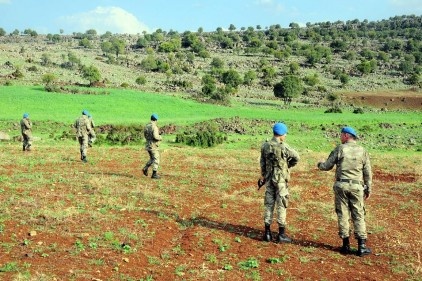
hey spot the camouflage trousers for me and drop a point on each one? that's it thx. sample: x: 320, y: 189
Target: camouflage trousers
x: 83, y: 142
x: 349, y: 204
x: 154, y: 159
x: 276, y: 198
x: 27, y: 141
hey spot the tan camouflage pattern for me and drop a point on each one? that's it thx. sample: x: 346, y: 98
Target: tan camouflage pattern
x: 91, y: 136
x: 83, y: 127
x: 26, y: 130
x: 153, y: 139
x: 352, y: 163
x: 276, y: 159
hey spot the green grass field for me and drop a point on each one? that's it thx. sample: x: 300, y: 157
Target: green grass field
x: 310, y: 128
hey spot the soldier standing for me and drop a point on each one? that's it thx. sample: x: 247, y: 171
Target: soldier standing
x: 353, y: 184
x: 153, y: 138
x: 91, y: 135
x: 83, y: 127
x: 276, y: 160
x: 26, y: 130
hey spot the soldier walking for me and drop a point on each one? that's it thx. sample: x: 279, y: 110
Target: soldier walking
x: 353, y: 184
x: 83, y: 128
x: 276, y: 160
x: 153, y: 139
x: 26, y: 130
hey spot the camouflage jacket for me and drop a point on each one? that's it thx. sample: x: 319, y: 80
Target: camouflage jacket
x: 152, y: 136
x: 83, y: 126
x: 276, y: 159
x: 352, y: 163
x: 26, y: 126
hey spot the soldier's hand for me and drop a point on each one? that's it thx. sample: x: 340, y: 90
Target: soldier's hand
x: 261, y: 183
x: 366, y: 192
x: 366, y: 195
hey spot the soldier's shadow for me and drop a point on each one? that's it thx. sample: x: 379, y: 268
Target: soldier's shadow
x: 250, y: 232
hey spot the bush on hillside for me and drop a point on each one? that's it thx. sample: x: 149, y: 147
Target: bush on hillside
x: 206, y: 134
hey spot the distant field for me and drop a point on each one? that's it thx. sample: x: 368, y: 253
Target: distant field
x: 311, y: 128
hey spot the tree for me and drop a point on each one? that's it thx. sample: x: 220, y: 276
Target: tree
x: 2, y: 31
x: 289, y: 88
x: 208, y: 85
x: 232, y: 78
x: 48, y: 78
x: 91, y: 73
x: 249, y: 77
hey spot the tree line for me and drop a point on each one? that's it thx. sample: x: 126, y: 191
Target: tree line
x: 392, y: 45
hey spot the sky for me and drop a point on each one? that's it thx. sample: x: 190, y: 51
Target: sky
x: 138, y: 16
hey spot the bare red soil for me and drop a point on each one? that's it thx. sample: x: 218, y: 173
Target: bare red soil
x: 386, y: 100
x: 201, y: 221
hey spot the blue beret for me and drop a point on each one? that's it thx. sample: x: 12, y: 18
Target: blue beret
x: 154, y: 117
x: 280, y: 129
x: 25, y: 115
x: 350, y: 131
x: 85, y: 112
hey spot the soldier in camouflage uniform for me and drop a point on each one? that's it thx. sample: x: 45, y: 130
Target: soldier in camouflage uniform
x: 83, y: 128
x: 91, y: 135
x: 153, y: 138
x: 26, y: 130
x: 352, y: 186
x: 276, y: 160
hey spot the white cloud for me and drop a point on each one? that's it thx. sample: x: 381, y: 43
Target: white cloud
x: 102, y: 19
x: 5, y: 2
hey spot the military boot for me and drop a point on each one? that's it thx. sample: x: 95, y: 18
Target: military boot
x: 23, y: 147
x: 267, y: 237
x: 155, y: 175
x: 145, y: 171
x: 282, y: 237
x: 362, y: 249
x: 84, y: 159
x: 345, y: 249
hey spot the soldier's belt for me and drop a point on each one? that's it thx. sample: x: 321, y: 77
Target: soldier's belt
x: 350, y: 181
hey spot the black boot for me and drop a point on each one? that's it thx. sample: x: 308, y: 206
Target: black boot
x: 155, y: 175
x: 23, y: 147
x: 145, y: 171
x: 84, y: 159
x: 268, y: 237
x: 362, y: 249
x: 345, y: 249
x: 282, y: 237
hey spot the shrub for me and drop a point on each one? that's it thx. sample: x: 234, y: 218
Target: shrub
x: 334, y: 109
x: 52, y: 88
x: 207, y: 134
x: 358, y: 110
x: 125, y: 135
x: 124, y: 85
x: 33, y: 68
x: 141, y: 80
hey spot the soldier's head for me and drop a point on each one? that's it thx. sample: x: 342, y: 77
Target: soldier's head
x: 154, y: 117
x: 280, y: 130
x: 348, y: 133
x: 25, y: 115
x: 85, y: 112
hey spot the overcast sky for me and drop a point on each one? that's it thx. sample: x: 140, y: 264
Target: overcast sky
x: 136, y: 16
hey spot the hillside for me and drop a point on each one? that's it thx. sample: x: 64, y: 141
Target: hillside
x: 328, y: 57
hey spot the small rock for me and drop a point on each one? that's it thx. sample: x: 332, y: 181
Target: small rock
x: 32, y: 233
